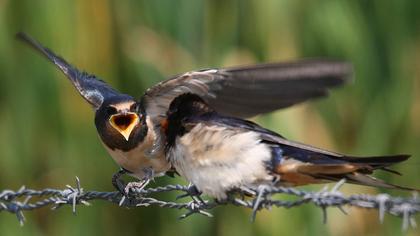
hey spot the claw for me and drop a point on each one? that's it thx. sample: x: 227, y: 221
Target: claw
x: 137, y: 186
x: 192, y: 192
x: 133, y: 187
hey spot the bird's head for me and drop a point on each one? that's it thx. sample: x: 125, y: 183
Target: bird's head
x: 121, y: 123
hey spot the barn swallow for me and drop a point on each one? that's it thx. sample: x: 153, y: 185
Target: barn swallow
x: 219, y: 154
x: 134, y: 131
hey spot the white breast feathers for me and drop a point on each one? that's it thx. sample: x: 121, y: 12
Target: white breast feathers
x: 216, y: 159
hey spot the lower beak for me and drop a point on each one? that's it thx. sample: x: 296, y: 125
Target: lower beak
x: 124, y: 123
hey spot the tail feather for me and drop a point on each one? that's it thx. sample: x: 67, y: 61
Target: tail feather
x: 300, y: 168
x: 366, y: 180
x: 377, y: 160
x: 391, y: 171
x: 361, y: 179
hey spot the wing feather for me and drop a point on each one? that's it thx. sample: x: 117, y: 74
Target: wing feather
x: 92, y: 89
x: 251, y: 90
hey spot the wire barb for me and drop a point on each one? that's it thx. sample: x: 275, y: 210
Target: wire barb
x: 16, y: 202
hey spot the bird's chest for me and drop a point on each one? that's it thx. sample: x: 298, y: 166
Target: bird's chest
x: 138, y: 162
x: 217, y: 159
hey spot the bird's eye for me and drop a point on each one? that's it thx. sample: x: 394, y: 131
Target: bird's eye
x: 111, y: 110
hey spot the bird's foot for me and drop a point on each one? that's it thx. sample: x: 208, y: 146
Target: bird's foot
x: 197, y: 205
x: 192, y: 192
x: 136, y: 186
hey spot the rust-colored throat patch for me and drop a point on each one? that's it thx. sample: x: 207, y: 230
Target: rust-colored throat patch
x: 124, y: 123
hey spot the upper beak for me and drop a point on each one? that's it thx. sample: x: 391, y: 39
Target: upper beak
x: 124, y: 123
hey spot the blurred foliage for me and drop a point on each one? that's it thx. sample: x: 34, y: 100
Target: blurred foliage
x: 47, y: 134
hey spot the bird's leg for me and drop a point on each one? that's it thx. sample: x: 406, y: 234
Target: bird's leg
x: 118, y: 183
x: 192, y: 192
x: 137, y: 186
x: 140, y: 185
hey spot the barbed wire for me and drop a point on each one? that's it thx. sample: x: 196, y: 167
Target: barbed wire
x: 17, y: 202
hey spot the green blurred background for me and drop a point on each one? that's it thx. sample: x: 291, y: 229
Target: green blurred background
x: 47, y: 136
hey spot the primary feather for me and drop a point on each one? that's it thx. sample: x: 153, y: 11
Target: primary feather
x: 92, y: 89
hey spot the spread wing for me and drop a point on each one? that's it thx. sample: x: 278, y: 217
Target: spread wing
x: 248, y: 91
x: 92, y: 89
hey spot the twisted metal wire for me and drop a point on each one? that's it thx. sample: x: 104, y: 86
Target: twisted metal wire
x: 17, y: 202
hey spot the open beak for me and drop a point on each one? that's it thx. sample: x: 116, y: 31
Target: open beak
x: 124, y: 123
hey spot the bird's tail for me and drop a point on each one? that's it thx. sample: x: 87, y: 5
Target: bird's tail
x: 366, y: 166
x: 300, y: 167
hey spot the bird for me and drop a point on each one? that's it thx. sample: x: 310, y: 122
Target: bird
x: 219, y: 154
x: 133, y: 131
